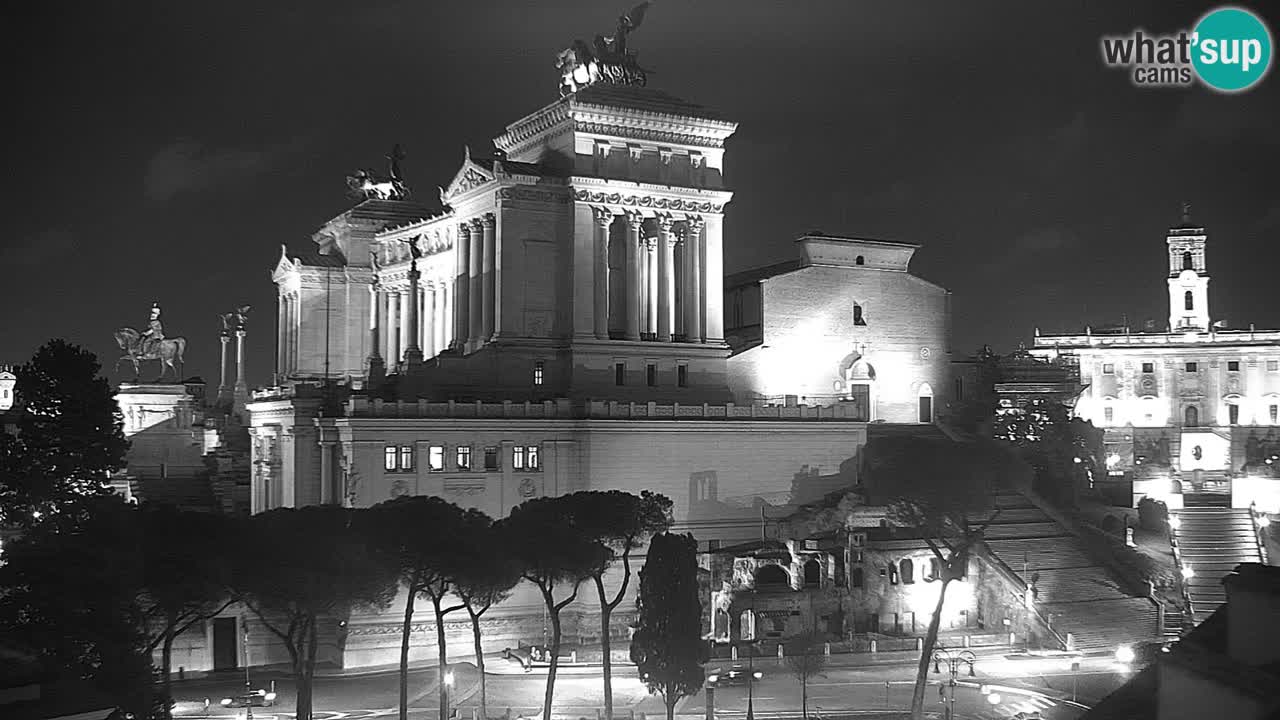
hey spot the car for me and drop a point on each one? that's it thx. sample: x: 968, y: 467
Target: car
x: 257, y: 698
x: 735, y: 675
x: 1142, y: 654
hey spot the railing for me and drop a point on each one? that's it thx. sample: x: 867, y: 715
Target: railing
x: 595, y: 409
x: 1259, y: 527
x: 1177, y: 564
x: 1016, y: 580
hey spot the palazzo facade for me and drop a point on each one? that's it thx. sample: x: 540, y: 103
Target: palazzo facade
x: 1192, y: 408
x: 559, y: 325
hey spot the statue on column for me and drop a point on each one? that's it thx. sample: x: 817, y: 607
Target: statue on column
x: 605, y: 60
x: 150, y: 344
x: 365, y: 184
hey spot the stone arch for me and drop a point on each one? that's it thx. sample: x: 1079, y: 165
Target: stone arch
x: 859, y: 260
x: 1188, y: 261
x: 924, y: 401
x: 1188, y: 300
x: 1191, y: 416
x: 907, y: 569
x: 812, y: 573
x: 772, y: 575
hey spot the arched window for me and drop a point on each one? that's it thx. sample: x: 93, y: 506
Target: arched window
x: 1188, y: 301
x: 856, y: 578
x: 812, y: 573
x: 1187, y: 262
x: 1191, y: 416
x: 857, y: 316
x: 859, y: 260
x: 935, y: 569
x: 908, y: 571
x: 771, y: 575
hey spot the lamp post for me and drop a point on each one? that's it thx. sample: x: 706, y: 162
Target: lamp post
x: 248, y: 687
x: 446, y: 692
x: 953, y: 661
x: 751, y: 662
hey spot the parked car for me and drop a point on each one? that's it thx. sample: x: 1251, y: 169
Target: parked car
x: 735, y: 675
x: 257, y: 698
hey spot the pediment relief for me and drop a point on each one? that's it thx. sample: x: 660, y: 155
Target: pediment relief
x: 284, y: 266
x: 469, y: 177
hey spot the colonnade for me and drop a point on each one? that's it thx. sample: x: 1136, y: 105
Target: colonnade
x: 394, y: 313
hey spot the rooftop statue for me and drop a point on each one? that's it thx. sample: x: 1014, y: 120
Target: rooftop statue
x: 151, y: 344
x: 606, y: 60
x: 237, y: 319
x: 366, y: 185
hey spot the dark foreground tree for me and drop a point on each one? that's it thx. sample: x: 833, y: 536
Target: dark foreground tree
x: 619, y: 522
x: 667, y: 647
x: 943, y: 490
x: 69, y: 439
x: 307, y: 565
x: 806, y: 658
x: 489, y: 571
x: 1061, y: 449
x: 421, y: 535
x: 554, y: 554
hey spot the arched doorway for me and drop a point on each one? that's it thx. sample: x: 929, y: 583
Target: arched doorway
x: 1191, y: 416
x: 925, y: 400
x: 772, y: 576
x: 858, y: 379
x: 812, y: 573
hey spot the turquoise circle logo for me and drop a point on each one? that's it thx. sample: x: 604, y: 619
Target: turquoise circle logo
x: 1231, y: 49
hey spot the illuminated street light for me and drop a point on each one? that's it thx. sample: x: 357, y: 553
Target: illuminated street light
x: 994, y: 698
x: 953, y: 661
x: 1187, y: 572
x: 1263, y: 520
x: 1175, y: 522
x: 1124, y: 654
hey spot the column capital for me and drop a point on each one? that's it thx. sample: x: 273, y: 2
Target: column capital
x: 464, y: 228
x: 602, y: 215
x: 695, y: 222
x: 488, y: 220
x: 634, y: 220
x: 477, y: 225
x: 666, y: 223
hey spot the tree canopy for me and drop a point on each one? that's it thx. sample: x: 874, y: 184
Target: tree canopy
x: 667, y: 647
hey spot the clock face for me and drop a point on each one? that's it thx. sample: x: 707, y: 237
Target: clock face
x: 925, y: 353
x: 1188, y: 277
x: 1148, y: 384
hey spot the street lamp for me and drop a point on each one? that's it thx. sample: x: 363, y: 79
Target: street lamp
x: 248, y: 687
x: 446, y: 691
x: 953, y: 660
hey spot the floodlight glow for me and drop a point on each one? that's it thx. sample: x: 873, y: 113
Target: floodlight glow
x: 1263, y: 520
x: 712, y: 678
x: 1113, y: 460
x: 448, y: 678
x: 1124, y: 654
x: 1175, y: 522
x: 994, y: 698
x: 1187, y: 572
x: 757, y: 674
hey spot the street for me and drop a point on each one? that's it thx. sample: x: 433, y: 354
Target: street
x: 1022, y: 684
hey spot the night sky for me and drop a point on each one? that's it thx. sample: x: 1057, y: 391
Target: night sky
x: 164, y: 151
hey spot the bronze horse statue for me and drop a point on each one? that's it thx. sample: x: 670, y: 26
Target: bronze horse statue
x: 166, y: 351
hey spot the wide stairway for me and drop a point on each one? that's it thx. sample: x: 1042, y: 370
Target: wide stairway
x: 1212, y: 542
x: 1077, y: 594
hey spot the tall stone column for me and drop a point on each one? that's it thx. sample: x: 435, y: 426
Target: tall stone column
x: 393, y: 327
x: 446, y: 316
x: 603, y: 220
x: 242, y: 385
x: 488, y: 226
x: 427, y: 319
x: 461, y: 285
x: 223, y: 389
x: 666, y: 277
x: 406, y: 304
x: 377, y: 367
x: 713, y: 279
x: 651, y: 279
x: 634, y: 224
x: 412, y: 321
x: 476, y: 285
x: 282, y: 336
x: 329, y: 494
x: 693, y: 296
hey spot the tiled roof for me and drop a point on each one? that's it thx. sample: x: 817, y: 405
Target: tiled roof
x: 643, y: 99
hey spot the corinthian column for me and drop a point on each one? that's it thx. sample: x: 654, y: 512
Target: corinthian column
x: 412, y: 350
x: 224, y: 337
x: 634, y: 223
x: 377, y: 368
x: 461, y: 285
x: 666, y: 277
x: 694, y: 287
x: 713, y: 279
x: 603, y: 219
x: 476, y: 284
x: 651, y: 283
x: 393, y: 326
x: 488, y: 225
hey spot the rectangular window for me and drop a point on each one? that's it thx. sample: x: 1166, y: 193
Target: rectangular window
x: 524, y: 457
x: 1108, y: 369
x: 464, y: 457
x: 1273, y: 365
x: 1233, y: 366
x: 491, y: 458
x: 651, y: 375
x: 682, y: 376
x: 1233, y: 414
x: 517, y: 457
x: 1193, y: 367
x: 435, y: 458
x: 406, y: 458
x: 389, y: 456
x: 538, y: 369
x: 619, y: 374
x: 1148, y: 367
x: 531, y: 458
x: 1274, y: 412
x: 1109, y: 414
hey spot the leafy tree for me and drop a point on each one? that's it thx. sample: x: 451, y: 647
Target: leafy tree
x: 69, y: 438
x: 420, y: 535
x: 667, y: 647
x: 69, y: 589
x: 553, y: 553
x: 490, y: 570
x: 186, y: 576
x: 935, y: 487
x: 307, y: 564
x: 1058, y: 447
x: 618, y: 522
x: 805, y: 658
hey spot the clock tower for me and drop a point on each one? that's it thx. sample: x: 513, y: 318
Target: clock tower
x: 1188, y: 278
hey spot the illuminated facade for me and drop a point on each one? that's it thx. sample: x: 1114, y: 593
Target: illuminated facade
x: 1197, y: 404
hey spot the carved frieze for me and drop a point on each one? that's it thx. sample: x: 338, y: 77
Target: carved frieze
x: 531, y: 195
x: 648, y: 134
x: 648, y: 201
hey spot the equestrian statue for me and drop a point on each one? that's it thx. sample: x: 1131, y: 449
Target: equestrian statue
x: 151, y: 344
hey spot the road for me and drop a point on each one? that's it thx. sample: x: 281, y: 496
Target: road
x: 1022, y: 684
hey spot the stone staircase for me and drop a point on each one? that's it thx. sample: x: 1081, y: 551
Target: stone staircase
x: 1212, y: 541
x: 1076, y: 593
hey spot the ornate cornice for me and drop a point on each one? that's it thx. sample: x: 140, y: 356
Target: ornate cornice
x: 531, y: 126
x: 648, y: 134
x: 531, y: 195
x: 648, y: 202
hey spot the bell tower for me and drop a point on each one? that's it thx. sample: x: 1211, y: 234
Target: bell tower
x: 1188, y: 276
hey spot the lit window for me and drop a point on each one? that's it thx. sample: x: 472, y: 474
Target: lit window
x: 1148, y: 367
x: 406, y: 457
x: 1193, y: 367
x: 1108, y: 369
x: 463, y: 458
x: 435, y: 458
x: 1272, y: 411
x: 524, y: 457
x: 538, y: 369
x: 619, y: 374
x: 1233, y: 366
x: 682, y: 376
x: 1109, y: 414
x: 517, y: 457
x: 491, y: 458
x: 531, y: 456
x: 389, y: 458
x: 651, y: 375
